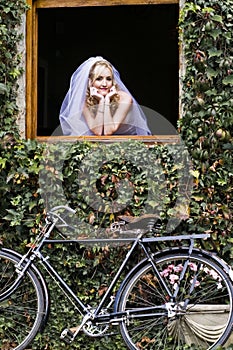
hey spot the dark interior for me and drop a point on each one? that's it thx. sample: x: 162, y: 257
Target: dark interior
x: 140, y: 41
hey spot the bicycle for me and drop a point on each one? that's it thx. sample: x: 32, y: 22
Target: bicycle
x: 174, y: 297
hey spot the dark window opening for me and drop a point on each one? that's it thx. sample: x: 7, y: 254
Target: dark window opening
x: 140, y: 41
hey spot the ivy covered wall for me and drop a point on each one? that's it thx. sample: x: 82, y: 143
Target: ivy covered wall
x: 12, y: 14
x: 207, y: 120
x: 206, y: 31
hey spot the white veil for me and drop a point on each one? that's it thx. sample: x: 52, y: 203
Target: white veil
x: 71, y: 117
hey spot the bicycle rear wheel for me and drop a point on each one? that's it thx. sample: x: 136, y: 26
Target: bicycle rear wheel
x: 21, y: 312
x: 200, y: 316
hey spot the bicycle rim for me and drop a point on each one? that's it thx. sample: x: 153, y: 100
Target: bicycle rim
x: 21, y: 313
x: 204, y: 323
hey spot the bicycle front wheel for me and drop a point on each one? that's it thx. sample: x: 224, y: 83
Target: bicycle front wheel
x: 21, y: 312
x: 198, y: 316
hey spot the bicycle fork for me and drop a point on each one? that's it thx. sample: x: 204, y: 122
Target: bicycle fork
x: 171, y: 306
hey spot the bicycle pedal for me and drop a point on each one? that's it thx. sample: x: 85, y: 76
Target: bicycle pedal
x: 67, y: 336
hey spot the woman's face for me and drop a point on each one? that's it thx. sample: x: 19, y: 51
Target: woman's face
x: 103, y: 81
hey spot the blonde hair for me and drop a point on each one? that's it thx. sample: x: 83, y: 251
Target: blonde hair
x: 95, y: 71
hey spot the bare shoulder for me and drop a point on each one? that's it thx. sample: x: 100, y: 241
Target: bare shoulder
x: 125, y: 97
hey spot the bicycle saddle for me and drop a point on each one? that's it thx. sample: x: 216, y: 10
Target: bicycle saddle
x: 140, y: 221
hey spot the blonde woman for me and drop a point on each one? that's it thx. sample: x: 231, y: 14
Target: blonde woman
x: 98, y: 103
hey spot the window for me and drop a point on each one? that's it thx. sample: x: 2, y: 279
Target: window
x: 139, y: 38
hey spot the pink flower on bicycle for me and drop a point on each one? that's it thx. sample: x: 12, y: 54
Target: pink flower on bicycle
x: 193, y: 266
x: 197, y: 283
x: 214, y: 275
x: 173, y: 278
x: 166, y: 272
x: 178, y: 268
x: 219, y: 285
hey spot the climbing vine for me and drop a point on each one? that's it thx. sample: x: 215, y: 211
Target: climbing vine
x: 206, y: 123
x: 11, y: 68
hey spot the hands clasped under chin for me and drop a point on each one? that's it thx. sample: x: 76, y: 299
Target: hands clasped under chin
x: 95, y: 93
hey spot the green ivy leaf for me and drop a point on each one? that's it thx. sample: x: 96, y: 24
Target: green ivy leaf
x: 213, y: 52
x: 217, y: 18
x: 215, y: 33
x: 211, y: 73
x: 228, y: 80
x: 195, y: 173
x: 3, y: 89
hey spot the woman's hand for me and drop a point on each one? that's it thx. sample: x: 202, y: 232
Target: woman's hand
x: 94, y: 93
x: 111, y: 93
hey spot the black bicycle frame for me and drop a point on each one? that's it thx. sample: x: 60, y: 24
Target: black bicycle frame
x: 43, y: 238
x: 141, y: 241
x: 63, y: 285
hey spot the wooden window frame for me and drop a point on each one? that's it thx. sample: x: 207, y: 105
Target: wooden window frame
x: 32, y: 68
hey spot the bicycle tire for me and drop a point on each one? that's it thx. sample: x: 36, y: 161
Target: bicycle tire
x: 22, y: 311
x: 207, y: 320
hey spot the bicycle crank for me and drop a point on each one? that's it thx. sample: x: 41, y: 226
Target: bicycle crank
x: 93, y: 330
x: 69, y: 334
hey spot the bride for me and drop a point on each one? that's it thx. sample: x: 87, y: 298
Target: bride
x: 98, y: 103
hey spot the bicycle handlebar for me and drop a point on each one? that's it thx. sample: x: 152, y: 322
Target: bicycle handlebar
x: 62, y: 207
x: 60, y: 221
